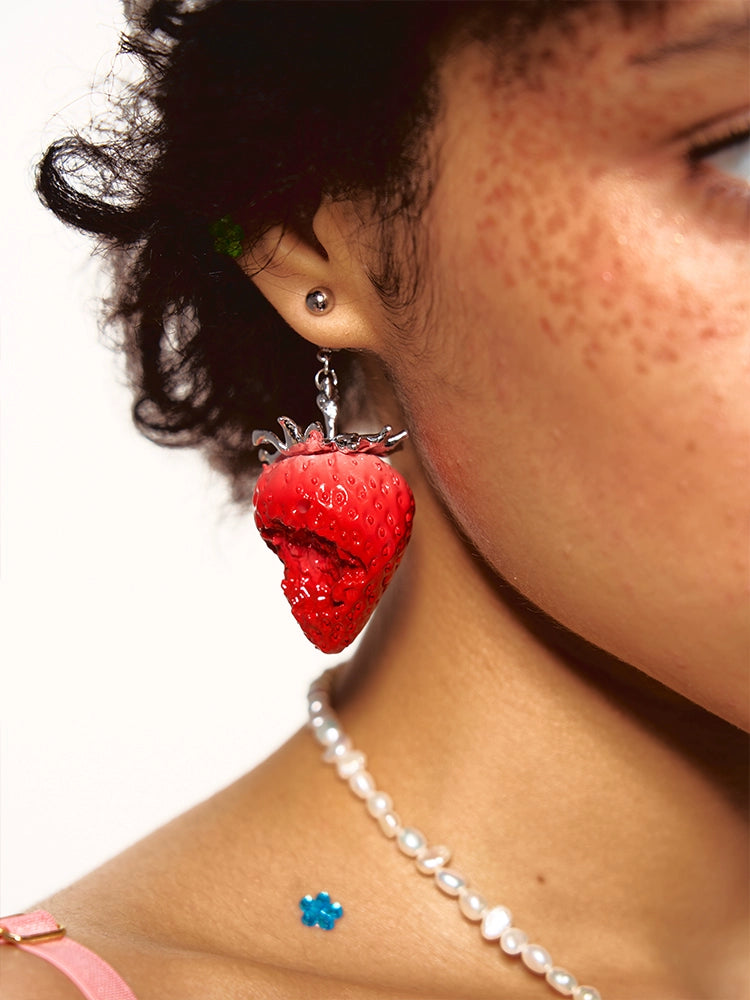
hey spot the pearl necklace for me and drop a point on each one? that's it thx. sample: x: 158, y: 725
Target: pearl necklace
x: 496, y: 922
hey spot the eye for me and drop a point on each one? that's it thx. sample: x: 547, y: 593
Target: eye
x: 733, y: 158
x: 715, y: 163
x: 727, y: 154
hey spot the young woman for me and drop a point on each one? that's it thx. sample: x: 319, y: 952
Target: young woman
x: 521, y: 230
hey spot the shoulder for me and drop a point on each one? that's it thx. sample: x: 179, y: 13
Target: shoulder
x: 195, y: 909
x: 207, y: 907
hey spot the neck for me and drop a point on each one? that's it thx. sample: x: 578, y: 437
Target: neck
x: 565, y: 782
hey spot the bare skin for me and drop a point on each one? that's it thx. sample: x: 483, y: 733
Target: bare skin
x: 575, y: 381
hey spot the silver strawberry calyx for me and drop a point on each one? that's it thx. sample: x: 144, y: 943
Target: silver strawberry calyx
x: 316, y: 438
x: 312, y: 441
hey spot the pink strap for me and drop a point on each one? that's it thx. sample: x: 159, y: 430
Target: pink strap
x: 40, y: 934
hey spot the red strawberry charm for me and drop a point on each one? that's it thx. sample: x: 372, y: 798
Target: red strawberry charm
x: 338, y: 517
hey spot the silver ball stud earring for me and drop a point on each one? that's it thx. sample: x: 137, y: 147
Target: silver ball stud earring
x: 319, y: 300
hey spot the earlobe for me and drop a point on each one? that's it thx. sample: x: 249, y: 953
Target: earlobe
x: 289, y: 269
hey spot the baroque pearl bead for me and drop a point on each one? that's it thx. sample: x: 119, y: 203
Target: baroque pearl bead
x: 349, y: 763
x: 379, y: 803
x: 327, y: 731
x: 390, y: 823
x: 411, y: 841
x: 337, y: 750
x: 432, y: 859
x: 362, y: 784
x: 495, y: 921
x: 449, y: 881
x: 471, y: 904
x: 513, y: 941
x: 586, y: 993
x: 536, y: 958
x: 562, y: 981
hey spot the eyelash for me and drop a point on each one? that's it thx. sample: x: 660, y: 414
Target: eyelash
x: 698, y: 152
x: 707, y: 143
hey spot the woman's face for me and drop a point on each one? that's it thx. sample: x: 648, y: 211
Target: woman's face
x: 577, y: 382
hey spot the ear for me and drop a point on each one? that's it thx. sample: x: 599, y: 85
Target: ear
x: 285, y: 266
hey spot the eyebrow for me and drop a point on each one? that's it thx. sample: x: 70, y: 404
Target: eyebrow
x: 721, y: 35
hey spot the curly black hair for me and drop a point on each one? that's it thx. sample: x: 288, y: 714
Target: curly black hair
x: 255, y: 110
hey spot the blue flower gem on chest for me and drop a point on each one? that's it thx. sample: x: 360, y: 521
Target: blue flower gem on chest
x: 320, y: 911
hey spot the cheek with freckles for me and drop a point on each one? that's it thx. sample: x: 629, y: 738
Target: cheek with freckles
x: 596, y: 240
x: 591, y: 263
x: 595, y: 335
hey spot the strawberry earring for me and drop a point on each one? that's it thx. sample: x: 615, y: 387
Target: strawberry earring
x: 335, y: 513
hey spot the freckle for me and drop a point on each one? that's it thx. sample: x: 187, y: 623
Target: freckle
x: 489, y: 251
x: 558, y: 297
x: 576, y: 196
x: 642, y: 369
x: 708, y: 333
x: 555, y: 223
x: 541, y: 879
x: 480, y: 176
x: 626, y: 320
x: 590, y: 353
x: 546, y: 326
x: 586, y: 244
x: 500, y: 192
x: 488, y: 222
x: 665, y: 353
x: 638, y: 344
x: 690, y: 445
x: 509, y: 280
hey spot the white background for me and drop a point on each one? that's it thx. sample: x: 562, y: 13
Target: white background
x: 148, y: 654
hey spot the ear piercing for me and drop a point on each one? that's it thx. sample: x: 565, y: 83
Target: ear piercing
x: 319, y: 300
